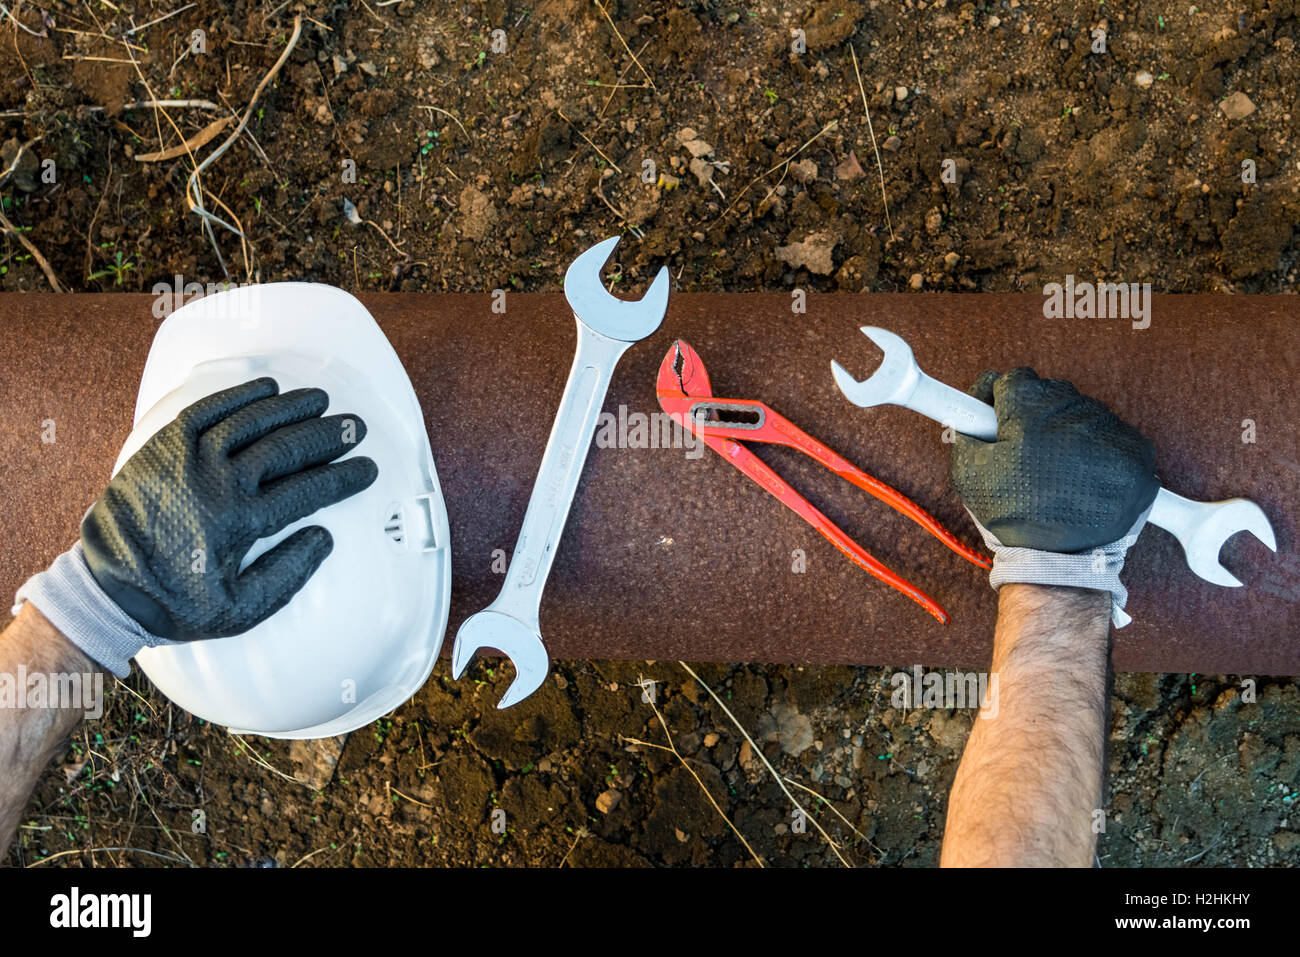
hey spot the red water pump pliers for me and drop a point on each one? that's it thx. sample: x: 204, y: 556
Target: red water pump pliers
x: 722, y: 424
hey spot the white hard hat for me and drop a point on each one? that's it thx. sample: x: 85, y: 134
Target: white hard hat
x: 363, y: 634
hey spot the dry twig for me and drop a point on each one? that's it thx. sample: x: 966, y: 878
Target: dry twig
x: 438, y: 109
x: 165, y: 16
x: 833, y: 124
x: 193, y: 189
x: 155, y: 104
x: 589, y: 142
x: 95, y: 850
x: 627, y: 48
x: 879, y: 167
x: 198, y: 140
x: 672, y: 749
x: 763, y: 757
x: 10, y: 227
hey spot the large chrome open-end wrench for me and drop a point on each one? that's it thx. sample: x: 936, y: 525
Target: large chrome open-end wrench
x: 1200, y: 527
x: 606, y: 327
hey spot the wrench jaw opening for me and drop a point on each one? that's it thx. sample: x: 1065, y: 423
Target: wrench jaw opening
x: 1225, y: 520
x: 521, y: 644
x: 621, y: 319
x: 892, y: 381
x: 528, y: 678
x: 1202, y: 528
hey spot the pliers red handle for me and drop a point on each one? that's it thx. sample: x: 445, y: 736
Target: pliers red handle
x: 686, y: 395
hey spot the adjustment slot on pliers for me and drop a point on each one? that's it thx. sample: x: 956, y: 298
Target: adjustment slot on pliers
x: 727, y: 415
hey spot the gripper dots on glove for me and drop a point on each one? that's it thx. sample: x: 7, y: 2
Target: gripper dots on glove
x: 166, y: 539
x: 1065, y: 473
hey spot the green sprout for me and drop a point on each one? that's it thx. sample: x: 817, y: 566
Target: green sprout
x: 118, y: 269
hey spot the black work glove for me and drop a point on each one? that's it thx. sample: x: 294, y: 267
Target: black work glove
x: 166, y: 540
x: 1063, y: 492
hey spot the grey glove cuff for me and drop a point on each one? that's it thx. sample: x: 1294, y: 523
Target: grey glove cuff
x: 67, y: 594
x: 1097, y: 568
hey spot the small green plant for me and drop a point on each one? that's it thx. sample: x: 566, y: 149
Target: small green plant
x: 771, y: 95
x: 118, y: 269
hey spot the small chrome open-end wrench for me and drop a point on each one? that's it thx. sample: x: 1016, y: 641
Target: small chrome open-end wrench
x: 1200, y: 527
x: 606, y: 327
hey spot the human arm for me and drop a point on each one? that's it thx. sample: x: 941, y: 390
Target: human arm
x: 1029, y: 783
x: 30, y: 736
x: 1060, y: 496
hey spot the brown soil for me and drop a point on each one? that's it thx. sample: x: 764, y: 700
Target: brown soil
x: 478, y: 169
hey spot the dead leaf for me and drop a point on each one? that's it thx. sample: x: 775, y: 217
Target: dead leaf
x: 198, y: 140
x: 850, y: 169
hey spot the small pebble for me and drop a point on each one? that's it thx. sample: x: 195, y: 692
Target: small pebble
x: 804, y: 171
x: 893, y: 144
x: 950, y: 261
x: 1237, y: 107
x: 994, y: 22
x: 711, y: 739
x: 917, y: 280
x: 900, y: 92
x: 1144, y: 80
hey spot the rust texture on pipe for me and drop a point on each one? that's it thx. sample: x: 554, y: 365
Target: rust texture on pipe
x: 670, y: 556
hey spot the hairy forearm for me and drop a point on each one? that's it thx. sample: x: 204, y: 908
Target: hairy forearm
x: 1029, y: 783
x: 33, y: 723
